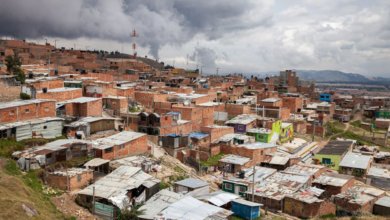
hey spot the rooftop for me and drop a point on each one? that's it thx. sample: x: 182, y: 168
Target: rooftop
x: 355, y: 160
x: 63, y: 89
x: 4, y: 105
x: 191, y: 208
x: 158, y: 202
x: 336, y: 148
x: 384, y: 201
x: 304, y: 169
x: 115, y: 186
x: 242, y: 119
x: 116, y: 139
x: 333, y: 179
x: 271, y: 100
x: 192, y: 183
x: 80, y: 100
x: 259, y: 130
x: 258, y: 145
x: 234, y: 159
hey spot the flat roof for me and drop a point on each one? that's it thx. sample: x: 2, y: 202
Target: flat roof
x: 355, y: 160
x: 271, y: 100
x: 192, y: 183
x: 333, y: 179
x: 336, y: 148
x: 384, y: 201
x: 258, y: 145
x: 16, y: 103
x: 116, y: 139
x: 234, y: 159
x: 80, y: 100
x: 242, y: 119
x: 63, y: 89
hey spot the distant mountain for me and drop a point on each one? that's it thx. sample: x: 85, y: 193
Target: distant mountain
x: 331, y: 76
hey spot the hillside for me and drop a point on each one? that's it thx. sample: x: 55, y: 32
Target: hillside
x: 330, y: 76
x: 21, y: 195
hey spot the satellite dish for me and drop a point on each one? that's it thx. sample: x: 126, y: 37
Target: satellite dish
x: 186, y: 102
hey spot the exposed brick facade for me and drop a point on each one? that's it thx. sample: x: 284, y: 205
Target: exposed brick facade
x: 27, y: 110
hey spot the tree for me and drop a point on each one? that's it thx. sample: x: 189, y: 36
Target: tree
x: 13, y: 64
x: 132, y: 213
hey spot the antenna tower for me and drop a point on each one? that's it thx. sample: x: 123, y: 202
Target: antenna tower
x: 134, y: 35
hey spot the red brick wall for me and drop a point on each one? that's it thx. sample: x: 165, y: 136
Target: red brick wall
x: 257, y: 155
x: 27, y: 112
x: 49, y: 84
x: 134, y: 147
x: 218, y: 132
x: 61, y: 95
x: 301, y: 209
x: 293, y: 103
x: 61, y: 182
x: 234, y: 109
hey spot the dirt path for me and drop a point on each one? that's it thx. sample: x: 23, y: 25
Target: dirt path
x: 67, y: 205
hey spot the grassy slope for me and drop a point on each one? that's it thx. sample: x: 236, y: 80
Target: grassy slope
x: 17, y: 189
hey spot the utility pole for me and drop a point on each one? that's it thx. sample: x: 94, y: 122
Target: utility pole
x: 314, y: 131
x: 93, y: 200
x: 253, y: 183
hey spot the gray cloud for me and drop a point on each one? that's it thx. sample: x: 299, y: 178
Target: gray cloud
x: 159, y: 23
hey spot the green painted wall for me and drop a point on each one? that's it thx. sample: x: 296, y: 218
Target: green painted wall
x: 259, y: 137
x: 334, y: 160
x: 286, y: 134
x: 233, y: 188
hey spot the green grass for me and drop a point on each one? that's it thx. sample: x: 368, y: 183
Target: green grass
x: 8, y: 146
x: 18, y: 188
x: 356, y: 123
x: 334, y: 127
x: 212, y: 161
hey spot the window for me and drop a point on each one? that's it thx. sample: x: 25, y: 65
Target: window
x: 78, y: 178
x: 228, y: 186
x: 46, y: 109
x: 108, y: 150
x: 242, y: 189
x: 27, y: 110
x: 326, y: 161
x: 45, y: 127
x: 12, y: 112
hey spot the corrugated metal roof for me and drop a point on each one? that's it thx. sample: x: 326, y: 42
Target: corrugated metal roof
x: 116, y: 184
x: 189, y: 208
x: 354, y: 160
x: 158, y: 202
x: 247, y: 203
x: 384, y: 201
x: 96, y: 162
x: 192, y: 183
x: 234, y: 159
x: 218, y: 198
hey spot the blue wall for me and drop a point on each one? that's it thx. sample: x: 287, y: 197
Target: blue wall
x: 325, y: 97
x: 245, y: 211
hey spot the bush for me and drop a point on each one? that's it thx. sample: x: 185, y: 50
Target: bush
x: 24, y: 96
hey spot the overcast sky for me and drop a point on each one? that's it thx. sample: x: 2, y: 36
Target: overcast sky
x: 234, y: 35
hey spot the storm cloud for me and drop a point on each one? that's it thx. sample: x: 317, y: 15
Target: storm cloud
x: 161, y: 22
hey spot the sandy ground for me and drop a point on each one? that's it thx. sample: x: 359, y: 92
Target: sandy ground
x: 67, y: 205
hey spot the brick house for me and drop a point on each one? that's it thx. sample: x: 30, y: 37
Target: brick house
x: 81, y: 107
x: 26, y: 109
x: 161, y: 125
x: 295, y: 104
x: 333, y: 183
x: 116, y: 104
x: 69, y: 179
x: 123, y: 144
x: 255, y: 151
x: 217, y: 131
x: 60, y: 94
x: 306, y: 205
